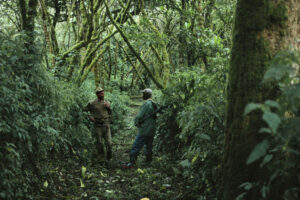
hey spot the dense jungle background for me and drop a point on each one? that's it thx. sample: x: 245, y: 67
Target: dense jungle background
x: 228, y: 70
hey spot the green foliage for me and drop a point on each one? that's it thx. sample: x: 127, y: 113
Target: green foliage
x: 279, y: 153
x: 120, y: 107
x: 41, y: 120
x: 16, y: 142
x: 259, y: 151
x: 198, y: 113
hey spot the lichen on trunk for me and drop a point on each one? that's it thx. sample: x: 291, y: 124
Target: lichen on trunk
x: 257, y: 37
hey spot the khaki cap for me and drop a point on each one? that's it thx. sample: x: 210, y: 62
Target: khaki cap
x: 99, y: 89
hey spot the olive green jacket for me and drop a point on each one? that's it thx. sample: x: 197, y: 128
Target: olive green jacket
x: 97, y: 109
x: 148, y: 127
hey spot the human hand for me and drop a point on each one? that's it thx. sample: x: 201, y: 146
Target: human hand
x: 106, y: 104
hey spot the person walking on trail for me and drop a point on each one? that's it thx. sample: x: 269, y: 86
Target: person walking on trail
x: 101, y: 115
x: 146, y: 129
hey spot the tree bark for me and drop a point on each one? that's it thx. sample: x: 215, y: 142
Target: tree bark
x: 28, y: 14
x: 262, y: 28
x: 49, y: 31
x: 110, y: 61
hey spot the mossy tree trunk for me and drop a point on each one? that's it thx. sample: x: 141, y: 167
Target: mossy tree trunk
x: 116, y: 58
x: 28, y: 14
x: 110, y: 60
x: 262, y: 28
x: 96, y: 75
x: 154, y: 79
x: 49, y: 31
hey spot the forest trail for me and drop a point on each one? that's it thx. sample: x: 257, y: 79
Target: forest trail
x: 108, y: 180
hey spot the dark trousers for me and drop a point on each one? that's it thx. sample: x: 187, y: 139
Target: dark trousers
x: 138, y: 144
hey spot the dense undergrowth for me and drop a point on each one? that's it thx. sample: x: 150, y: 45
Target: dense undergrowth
x: 191, y: 132
x: 47, y: 148
x: 41, y: 120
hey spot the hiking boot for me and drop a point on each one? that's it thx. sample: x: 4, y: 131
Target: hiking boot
x: 129, y: 165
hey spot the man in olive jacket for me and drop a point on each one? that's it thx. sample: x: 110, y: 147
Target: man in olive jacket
x: 146, y: 129
x: 101, y: 116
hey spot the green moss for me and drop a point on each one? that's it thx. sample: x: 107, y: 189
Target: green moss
x: 261, y: 14
x: 279, y: 14
x: 254, y: 16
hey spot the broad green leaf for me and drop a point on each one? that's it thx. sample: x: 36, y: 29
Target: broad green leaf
x: 278, y: 72
x: 195, y: 158
x: 46, y: 184
x: 272, y: 119
x: 272, y: 104
x: 83, y: 171
x: 81, y: 183
x: 140, y: 171
x: 265, y: 130
x: 241, y: 196
x: 259, y: 151
x: 250, y: 107
x: 204, y: 136
x: 89, y: 176
x: 246, y: 186
x: 175, y: 170
x: 267, y: 159
x: 187, y: 25
x: 185, y: 163
x: 167, y: 185
x: 84, y: 195
x: 265, y: 191
x: 103, y: 175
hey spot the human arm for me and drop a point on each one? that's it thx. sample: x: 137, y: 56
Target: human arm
x: 107, y: 106
x: 144, y: 110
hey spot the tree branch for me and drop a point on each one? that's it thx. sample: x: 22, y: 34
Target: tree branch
x: 159, y: 85
x: 83, y: 77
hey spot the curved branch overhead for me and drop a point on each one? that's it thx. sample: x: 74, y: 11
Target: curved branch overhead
x: 158, y: 84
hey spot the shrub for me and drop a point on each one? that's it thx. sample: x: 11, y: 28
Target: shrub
x: 193, y: 129
x: 278, y: 154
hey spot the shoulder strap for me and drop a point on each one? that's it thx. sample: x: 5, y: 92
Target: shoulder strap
x: 154, y: 105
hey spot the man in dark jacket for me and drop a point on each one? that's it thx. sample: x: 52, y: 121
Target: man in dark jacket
x: 101, y: 116
x: 146, y: 129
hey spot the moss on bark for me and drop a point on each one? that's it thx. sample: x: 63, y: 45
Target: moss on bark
x: 27, y: 16
x: 250, y: 56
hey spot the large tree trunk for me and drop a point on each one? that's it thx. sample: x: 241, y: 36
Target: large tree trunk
x: 262, y: 28
x: 28, y: 14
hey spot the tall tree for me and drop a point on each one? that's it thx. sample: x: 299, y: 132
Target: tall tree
x: 262, y: 29
x: 28, y: 14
